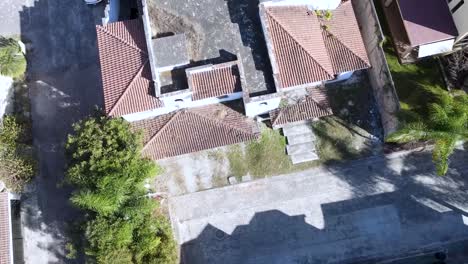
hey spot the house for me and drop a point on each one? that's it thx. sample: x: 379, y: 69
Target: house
x: 6, y: 236
x: 185, y: 105
x: 422, y: 28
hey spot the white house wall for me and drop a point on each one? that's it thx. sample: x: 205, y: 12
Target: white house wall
x: 435, y: 48
x: 260, y: 107
x: 170, y: 105
x: 460, y: 17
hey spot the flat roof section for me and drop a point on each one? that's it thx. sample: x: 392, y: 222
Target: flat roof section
x: 171, y: 51
x: 427, y: 21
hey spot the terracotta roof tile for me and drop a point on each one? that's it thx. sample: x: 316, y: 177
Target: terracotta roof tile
x: 125, y: 69
x: 195, y: 129
x: 301, y: 57
x: 5, y: 257
x: 221, y: 80
x: 310, y: 49
x: 313, y: 106
x: 343, y: 40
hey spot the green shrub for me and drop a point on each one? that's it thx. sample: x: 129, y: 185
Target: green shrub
x: 12, y: 60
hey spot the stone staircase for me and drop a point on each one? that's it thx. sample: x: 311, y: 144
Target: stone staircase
x: 301, y: 142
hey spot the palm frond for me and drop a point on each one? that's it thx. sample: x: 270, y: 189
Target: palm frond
x: 442, y: 150
x: 411, y: 132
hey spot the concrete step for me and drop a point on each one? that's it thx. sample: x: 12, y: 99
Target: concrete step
x: 301, y: 138
x: 300, y: 148
x: 304, y: 157
x: 297, y: 130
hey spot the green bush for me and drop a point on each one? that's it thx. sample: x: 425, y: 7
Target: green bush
x: 16, y: 163
x: 12, y: 60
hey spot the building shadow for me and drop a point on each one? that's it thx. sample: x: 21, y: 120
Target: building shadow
x: 367, y: 229
x: 395, y: 208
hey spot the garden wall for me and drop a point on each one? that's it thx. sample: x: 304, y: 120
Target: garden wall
x: 379, y: 75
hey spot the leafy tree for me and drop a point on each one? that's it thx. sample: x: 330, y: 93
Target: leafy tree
x: 12, y: 60
x: 16, y: 163
x: 109, y: 172
x: 445, y: 123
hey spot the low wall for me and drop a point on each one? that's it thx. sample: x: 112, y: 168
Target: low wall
x: 379, y: 75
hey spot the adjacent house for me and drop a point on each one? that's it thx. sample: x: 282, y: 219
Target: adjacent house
x: 422, y: 28
x: 6, y: 237
x: 185, y: 105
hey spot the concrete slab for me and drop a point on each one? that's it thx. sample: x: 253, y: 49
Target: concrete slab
x: 301, y: 138
x: 342, y: 214
x: 300, y: 148
x: 304, y: 157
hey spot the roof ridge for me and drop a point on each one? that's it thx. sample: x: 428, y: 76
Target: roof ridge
x: 103, y: 29
x: 298, y: 43
x: 219, y: 122
x: 346, y: 46
x: 128, y: 88
x: 162, y: 128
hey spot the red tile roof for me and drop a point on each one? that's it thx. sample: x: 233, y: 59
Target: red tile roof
x: 5, y: 257
x: 125, y: 69
x: 195, y: 129
x: 221, y: 80
x: 315, y: 105
x: 309, y: 49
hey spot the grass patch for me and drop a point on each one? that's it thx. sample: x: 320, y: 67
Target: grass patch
x: 338, y: 141
x: 237, y: 162
x: 260, y: 158
x: 267, y: 155
x: 410, y: 78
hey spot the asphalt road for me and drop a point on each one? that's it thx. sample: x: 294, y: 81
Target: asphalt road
x: 64, y: 81
x: 369, y: 209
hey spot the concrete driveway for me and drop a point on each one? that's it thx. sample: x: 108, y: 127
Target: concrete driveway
x: 64, y: 84
x: 375, y: 208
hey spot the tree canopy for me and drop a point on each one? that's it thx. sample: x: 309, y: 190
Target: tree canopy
x: 108, y: 171
x: 444, y: 123
x: 12, y: 60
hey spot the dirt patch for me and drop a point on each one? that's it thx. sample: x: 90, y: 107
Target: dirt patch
x: 164, y: 22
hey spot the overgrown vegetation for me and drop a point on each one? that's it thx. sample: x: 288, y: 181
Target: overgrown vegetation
x: 12, y: 60
x: 261, y: 158
x: 16, y: 162
x: 442, y: 121
x: 337, y: 140
x: 108, y: 171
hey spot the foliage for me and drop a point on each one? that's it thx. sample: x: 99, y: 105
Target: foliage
x: 456, y: 67
x: 260, y: 158
x: 12, y: 60
x: 445, y: 123
x: 16, y: 163
x: 106, y: 166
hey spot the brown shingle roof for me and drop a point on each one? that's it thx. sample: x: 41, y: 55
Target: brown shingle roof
x: 427, y: 21
x: 5, y: 256
x: 221, y: 80
x: 310, y: 49
x: 125, y: 69
x: 194, y: 129
x: 315, y: 105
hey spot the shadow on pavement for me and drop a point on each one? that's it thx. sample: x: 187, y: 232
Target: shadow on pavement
x: 63, y: 78
x: 405, y: 210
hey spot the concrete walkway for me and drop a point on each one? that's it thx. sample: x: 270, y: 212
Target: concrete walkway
x: 373, y: 208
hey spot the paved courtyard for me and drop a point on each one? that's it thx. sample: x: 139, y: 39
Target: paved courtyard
x: 374, y: 208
